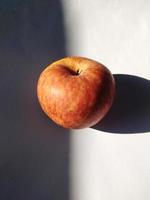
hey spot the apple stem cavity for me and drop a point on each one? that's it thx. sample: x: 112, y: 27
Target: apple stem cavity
x: 78, y: 72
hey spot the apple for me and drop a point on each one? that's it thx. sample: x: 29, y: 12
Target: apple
x: 76, y: 92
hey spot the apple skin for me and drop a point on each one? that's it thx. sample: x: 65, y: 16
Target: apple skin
x: 76, y: 92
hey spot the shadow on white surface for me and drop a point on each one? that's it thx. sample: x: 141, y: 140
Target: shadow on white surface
x: 34, y: 152
x: 130, y: 112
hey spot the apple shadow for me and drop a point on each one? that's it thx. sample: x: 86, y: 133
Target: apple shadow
x: 130, y: 112
x: 34, y: 152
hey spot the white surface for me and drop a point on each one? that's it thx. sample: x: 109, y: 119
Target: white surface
x: 106, y: 166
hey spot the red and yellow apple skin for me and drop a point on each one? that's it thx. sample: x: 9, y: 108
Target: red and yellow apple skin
x: 76, y: 92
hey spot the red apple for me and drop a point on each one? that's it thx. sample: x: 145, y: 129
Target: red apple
x: 76, y: 92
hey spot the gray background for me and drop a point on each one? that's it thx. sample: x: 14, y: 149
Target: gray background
x: 34, y: 152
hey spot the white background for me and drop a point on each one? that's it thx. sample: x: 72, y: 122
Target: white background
x: 109, y: 166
